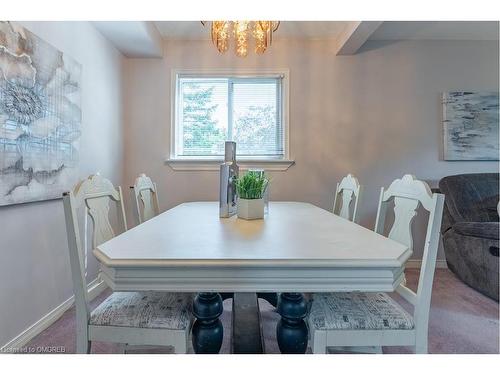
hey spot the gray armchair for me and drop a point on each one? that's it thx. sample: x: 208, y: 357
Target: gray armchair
x: 470, y: 229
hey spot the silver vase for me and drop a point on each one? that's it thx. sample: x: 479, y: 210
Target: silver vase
x: 229, y: 171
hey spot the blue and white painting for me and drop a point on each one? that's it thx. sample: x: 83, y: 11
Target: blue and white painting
x: 470, y: 125
x: 40, y: 117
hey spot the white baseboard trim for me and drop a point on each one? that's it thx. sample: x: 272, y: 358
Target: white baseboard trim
x: 95, y: 288
x: 417, y: 263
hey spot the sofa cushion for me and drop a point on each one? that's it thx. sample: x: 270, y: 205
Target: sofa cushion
x: 490, y: 204
x: 355, y: 311
x: 481, y: 230
x: 471, y: 197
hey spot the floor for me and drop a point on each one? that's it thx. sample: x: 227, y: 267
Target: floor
x: 461, y: 321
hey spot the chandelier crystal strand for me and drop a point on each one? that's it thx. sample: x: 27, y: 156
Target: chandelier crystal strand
x: 261, y: 37
x: 241, y: 36
x: 220, y: 35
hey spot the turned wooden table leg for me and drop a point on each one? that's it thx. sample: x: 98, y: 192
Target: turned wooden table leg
x: 291, y: 331
x: 207, y: 330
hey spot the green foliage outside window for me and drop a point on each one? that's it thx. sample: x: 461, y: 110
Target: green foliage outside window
x: 201, y: 134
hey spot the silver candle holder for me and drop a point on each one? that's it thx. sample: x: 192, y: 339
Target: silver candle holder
x: 229, y: 172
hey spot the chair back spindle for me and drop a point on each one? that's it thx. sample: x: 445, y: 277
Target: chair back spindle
x: 145, y: 198
x: 347, y: 191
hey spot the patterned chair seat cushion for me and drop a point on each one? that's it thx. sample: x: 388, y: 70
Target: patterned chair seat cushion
x: 144, y: 310
x: 357, y: 311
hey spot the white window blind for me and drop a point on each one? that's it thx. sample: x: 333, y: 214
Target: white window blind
x: 211, y: 110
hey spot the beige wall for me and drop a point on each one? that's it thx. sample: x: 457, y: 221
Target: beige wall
x: 375, y: 114
x: 34, y: 266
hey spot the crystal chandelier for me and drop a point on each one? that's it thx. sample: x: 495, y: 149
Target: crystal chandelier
x: 262, y: 32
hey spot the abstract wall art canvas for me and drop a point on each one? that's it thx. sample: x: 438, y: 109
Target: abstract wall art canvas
x: 40, y: 117
x: 470, y: 125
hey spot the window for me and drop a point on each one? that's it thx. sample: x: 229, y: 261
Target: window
x: 210, y: 109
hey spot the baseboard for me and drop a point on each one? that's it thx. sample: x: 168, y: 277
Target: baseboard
x: 95, y: 288
x: 417, y: 263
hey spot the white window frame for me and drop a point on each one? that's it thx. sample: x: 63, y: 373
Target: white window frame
x: 212, y: 162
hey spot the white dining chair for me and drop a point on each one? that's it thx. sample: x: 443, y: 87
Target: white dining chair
x: 375, y: 319
x: 145, y: 199
x: 347, y: 194
x: 128, y: 318
x: 345, y: 204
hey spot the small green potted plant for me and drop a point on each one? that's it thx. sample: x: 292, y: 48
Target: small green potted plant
x: 251, y: 189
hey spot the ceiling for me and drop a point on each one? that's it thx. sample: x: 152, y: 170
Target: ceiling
x: 132, y: 38
x: 391, y: 30
x: 144, y: 38
x: 437, y: 30
x: 287, y: 29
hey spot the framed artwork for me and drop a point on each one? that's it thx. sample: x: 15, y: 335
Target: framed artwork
x: 470, y: 125
x: 40, y: 117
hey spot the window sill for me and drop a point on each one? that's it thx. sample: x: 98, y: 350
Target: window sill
x: 213, y: 164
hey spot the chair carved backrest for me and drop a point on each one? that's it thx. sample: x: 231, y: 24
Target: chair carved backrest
x: 407, y: 194
x: 347, y: 190
x: 94, y: 196
x: 144, y: 195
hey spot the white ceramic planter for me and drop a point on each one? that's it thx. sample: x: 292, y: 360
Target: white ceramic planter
x: 250, y: 209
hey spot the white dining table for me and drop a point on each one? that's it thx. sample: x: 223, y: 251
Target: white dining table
x: 296, y: 248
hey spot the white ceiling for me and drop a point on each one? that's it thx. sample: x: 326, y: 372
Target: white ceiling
x: 132, y: 38
x: 391, y: 30
x: 287, y: 29
x: 144, y: 38
x: 434, y: 30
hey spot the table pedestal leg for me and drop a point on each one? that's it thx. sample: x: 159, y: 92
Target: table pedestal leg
x: 207, y: 330
x: 291, y: 331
